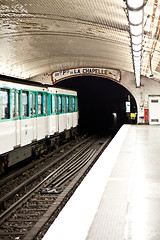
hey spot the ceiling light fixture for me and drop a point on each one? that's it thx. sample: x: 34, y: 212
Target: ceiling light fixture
x: 137, y: 54
x: 151, y: 73
x: 136, y: 30
x: 135, y: 18
x: 137, y: 47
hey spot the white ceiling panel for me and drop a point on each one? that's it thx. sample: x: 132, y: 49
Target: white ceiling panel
x: 40, y: 36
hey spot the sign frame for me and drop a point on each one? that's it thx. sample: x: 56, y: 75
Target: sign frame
x: 102, y: 72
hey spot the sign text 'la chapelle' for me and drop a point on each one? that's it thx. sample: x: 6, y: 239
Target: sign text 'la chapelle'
x: 103, y: 72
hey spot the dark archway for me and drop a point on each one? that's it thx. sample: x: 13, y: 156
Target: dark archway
x: 98, y: 99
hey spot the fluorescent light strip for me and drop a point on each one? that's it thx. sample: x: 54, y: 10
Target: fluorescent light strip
x: 137, y: 47
x: 135, y: 4
x: 136, y: 39
x: 137, y: 60
x: 136, y: 54
x: 136, y: 30
x: 135, y: 17
x: 138, y: 81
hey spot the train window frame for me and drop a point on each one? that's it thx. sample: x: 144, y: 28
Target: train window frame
x: 23, y: 116
x: 17, y: 104
x: 32, y: 104
x: 39, y: 104
x: 57, y: 109
x: 51, y: 103
x: 8, y: 105
x: 16, y: 94
x: 74, y: 103
x: 71, y: 104
x: 13, y: 104
x: 54, y: 106
x: 60, y: 104
x: 45, y: 103
x: 67, y: 104
x: 64, y: 104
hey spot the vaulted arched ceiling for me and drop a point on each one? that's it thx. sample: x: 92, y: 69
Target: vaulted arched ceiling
x: 43, y: 36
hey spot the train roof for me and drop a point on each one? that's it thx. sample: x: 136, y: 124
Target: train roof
x: 24, y: 84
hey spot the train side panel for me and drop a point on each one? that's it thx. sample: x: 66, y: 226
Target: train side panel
x: 42, y: 127
x: 34, y: 128
x: 53, y: 124
x: 75, y: 119
x: 28, y: 131
x: 17, y: 127
x: 33, y: 120
x: 62, y: 122
x: 69, y: 120
x: 7, y: 136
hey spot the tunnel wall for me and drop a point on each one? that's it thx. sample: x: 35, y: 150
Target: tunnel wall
x: 148, y: 87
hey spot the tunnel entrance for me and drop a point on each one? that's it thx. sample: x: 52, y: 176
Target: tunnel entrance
x: 101, y: 102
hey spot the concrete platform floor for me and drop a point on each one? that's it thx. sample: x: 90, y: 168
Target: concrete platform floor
x: 120, y: 197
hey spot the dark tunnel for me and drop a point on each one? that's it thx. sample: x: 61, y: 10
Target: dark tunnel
x: 101, y: 102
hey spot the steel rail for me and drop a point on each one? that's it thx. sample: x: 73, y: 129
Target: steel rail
x: 8, y: 211
x: 69, y: 190
x: 75, y: 175
x: 5, y: 179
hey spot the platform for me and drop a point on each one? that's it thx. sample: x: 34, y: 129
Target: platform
x: 120, y: 197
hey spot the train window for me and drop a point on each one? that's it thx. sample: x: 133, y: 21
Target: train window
x: 73, y: 99
x: 60, y: 103
x: 24, y: 104
x: 32, y: 104
x: 71, y: 107
x: 13, y: 104
x: 56, y: 102
x: 76, y: 104
x: 51, y: 101
x: 4, y: 100
x: 67, y: 99
x: 17, y: 104
x: 39, y: 103
x: 45, y: 104
x: 64, y: 104
x: 54, y: 108
x: 53, y: 104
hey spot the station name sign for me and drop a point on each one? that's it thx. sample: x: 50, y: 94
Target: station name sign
x: 103, y: 72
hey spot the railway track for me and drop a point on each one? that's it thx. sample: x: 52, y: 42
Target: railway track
x: 28, y: 217
x: 19, y: 180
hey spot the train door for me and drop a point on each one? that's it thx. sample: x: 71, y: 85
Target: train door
x: 64, y: 113
x: 33, y: 114
x: 7, y: 128
x: 42, y: 124
x: 154, y: 109
x: 15, y: 113
x: 53, y: 119
x: 74, y: 120
x: 60, y: 115
x: 56, y: 120
x: 45, y: 112
x: 68, y: 112
x: 71, y: 111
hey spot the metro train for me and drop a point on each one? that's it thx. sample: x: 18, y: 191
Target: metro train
x: 33, y: 120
